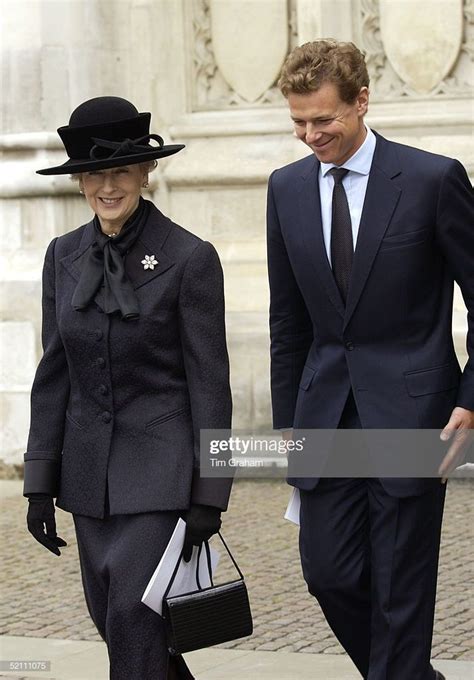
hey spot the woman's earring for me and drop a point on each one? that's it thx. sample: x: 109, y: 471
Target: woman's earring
x: 81, y: 192
x: 145, y: 185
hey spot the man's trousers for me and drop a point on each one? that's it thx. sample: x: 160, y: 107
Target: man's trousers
x: 371, y: 560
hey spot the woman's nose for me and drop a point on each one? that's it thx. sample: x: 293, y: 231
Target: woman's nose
x: 108, y: 183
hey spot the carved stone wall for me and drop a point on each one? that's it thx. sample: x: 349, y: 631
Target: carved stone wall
x: 238, y: 48
x: 418, y: 50
x: 207, y: 70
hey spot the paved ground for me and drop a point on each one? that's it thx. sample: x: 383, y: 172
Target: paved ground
x: 80, y: 660
x: 41, y: 595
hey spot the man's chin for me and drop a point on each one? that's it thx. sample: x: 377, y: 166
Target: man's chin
x: 324, y: 158
x: 324, y: 153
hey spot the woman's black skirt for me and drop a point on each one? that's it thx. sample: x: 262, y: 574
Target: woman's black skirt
x: 118, y: 556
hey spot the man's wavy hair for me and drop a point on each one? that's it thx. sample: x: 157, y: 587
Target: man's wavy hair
x: 324, y: 61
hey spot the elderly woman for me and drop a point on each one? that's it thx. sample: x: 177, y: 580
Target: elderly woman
x: 135, y: 364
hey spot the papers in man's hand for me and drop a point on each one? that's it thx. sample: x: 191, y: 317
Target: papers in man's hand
x: 185, y: 580
x: 292, y: 513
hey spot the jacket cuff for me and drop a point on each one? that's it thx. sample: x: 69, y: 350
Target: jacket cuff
x: 214, y: 492
x: 41, y: 476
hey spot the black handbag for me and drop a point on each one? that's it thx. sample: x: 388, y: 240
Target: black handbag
x: 206, y: 616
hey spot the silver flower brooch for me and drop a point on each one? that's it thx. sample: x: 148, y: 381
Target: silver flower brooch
x: 149, y: 262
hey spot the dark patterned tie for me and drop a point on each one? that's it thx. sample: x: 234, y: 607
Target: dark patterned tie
x: 342, y: 250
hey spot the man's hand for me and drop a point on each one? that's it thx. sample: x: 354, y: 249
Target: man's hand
x: 460, y: 429
x: 41, y: 514
x: 286, y: 435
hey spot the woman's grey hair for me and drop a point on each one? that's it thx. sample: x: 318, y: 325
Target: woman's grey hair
x: 149, y: 166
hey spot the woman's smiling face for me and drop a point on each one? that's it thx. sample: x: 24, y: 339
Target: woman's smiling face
x: 113, y: 194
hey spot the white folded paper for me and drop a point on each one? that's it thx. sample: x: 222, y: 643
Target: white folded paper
x: 292, y: 513
x: 185, y: 580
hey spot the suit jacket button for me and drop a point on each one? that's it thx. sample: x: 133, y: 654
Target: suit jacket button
x: 103, y: 389
x: 98, y: 334
x: 106, y: 417
x: 349, y: 345
x: 101, y: 362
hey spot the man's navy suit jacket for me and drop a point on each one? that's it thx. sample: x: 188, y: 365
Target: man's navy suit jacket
x: 392, y: 343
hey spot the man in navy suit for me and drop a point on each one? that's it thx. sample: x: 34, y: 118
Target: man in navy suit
x: 365, y: 240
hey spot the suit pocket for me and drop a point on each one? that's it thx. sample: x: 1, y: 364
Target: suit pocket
x: 75, y: 423
x: 432, y: 380
x: 307, y: 378
x: 164, y: 418
x: 410, y: 238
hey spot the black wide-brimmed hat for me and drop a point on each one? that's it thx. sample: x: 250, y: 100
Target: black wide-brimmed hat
x: 108, y: 132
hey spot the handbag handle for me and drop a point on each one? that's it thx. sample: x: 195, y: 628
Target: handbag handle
x: 230, y: 555
x: 208, y: 556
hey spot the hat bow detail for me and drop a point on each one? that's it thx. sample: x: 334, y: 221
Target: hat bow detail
x: 105, y: 148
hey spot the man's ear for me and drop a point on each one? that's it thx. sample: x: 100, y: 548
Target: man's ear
x: 363, y: 101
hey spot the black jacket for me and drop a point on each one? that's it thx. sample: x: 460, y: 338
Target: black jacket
x: 120, y: 404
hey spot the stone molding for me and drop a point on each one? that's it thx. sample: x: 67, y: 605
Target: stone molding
x: 261, y: 139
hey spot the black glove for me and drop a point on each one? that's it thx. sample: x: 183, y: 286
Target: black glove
x: 202, y: 521
x: 41, y: 512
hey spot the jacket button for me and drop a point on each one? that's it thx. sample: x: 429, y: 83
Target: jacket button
x: 349, y: 345
x: 106, y: 417
x: 101, y: 362
x: 103, y: 389
x: 98, y: 334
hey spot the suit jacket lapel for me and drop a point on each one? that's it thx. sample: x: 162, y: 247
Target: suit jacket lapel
x: 310, y: 205
x: 381, y: 198
x: 73, y: 261
x: 151, y: 241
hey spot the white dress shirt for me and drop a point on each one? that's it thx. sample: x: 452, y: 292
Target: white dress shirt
x: 355, y: 185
